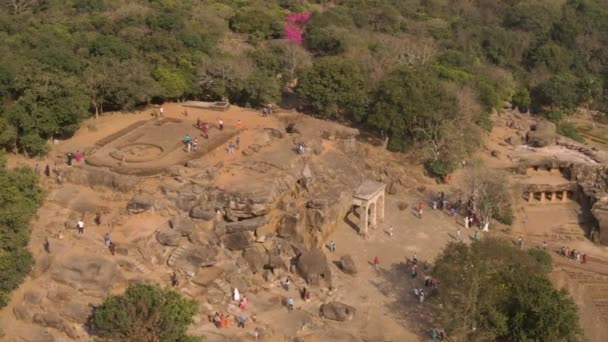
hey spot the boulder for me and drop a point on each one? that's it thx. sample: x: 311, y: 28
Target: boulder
x: 70, y: 224
x: 347, y: 265
x: 391, y: 189
x: 256, y: 257
x: 22, y: 313
x: 86, y: 272
x: 182, y: 224
x: 337, y: 311
x: 275, y: 132
x: 312, y: 266
x: 288, y: 227
x: 168, y: 237
x: 48, y: 319
x: 202, y: 213
x: 189, y: 259
x: 139, y: 204
x: 32, y: 297
x: 600, y: 212
x: 238, y: 241
x: 245, y: 225
x: 543, y: 134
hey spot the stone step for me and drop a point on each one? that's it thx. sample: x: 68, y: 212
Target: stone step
x: 177, y: 253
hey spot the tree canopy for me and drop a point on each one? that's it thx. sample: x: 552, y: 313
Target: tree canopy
x: 493, y: 291
x: 144, y: 313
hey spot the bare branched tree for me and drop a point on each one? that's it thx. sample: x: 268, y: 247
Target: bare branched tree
x: 491, y: 192
x: 20, y: 6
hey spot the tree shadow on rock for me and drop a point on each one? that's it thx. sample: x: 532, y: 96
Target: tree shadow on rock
x: 396, y: 284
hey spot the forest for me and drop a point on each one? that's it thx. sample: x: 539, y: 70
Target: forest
x: 425, y: 74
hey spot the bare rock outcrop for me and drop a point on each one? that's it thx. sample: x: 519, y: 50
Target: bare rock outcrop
x: 238, y: 241
x: 347, y: 265
x: 93, y: 176
x: 337, y: 311
x: 140, y: 203
x: 168, y: 236
x: 190, y: 259
x: 182, y: 224
x: 89, y: 273
x: 544, y: 133
x: 256, y: 257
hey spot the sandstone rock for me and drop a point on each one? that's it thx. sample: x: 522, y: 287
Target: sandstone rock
x: 36, y: 334
x: 256, y: 257
x: 86, y: 273
x: 32, y: 297
x: 202, y: 213
x: 168, y: 237
x: 70, y: 224
x: 544, y: 134
x: 275, y: 262
x: 48, y: 319
x: 347, y: 264
x: 75, y: 312
x: 207, y: 275
x: 245, y: 225
x: 312, y: 266
x: 238, y: 241
x: 288, y: 227
x: 600, y: 212
x: 140, y: 203
x: 275, y: 132
x: 22, y: 313
x: 94, y: 176
x: 190, y: 259
x: 182, y: 224
x: 391, y: 189
x: 337, y: 311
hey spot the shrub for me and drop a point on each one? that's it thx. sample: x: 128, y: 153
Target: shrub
x: 439, y: 168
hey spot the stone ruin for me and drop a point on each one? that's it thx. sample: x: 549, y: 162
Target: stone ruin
x: 584, y: 183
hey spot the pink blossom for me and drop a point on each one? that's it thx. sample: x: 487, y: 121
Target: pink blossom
x: 294, y: 27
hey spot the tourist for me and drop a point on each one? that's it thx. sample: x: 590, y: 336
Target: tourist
x: 390, y: 231
x: 290, y: 304
x: 80, y: 226
x: 414, y: 271
x: 434, y: 334
x: 452, y: 211
x: 578, y: 257
x: 243, y: 303
x: 279, y: 247
x: 584, y: 259
x: 307, y: 297
x: 37, y: 169
x: 434, y: 204
x: 216, y: 319
x: 231, y: 148
x: 47, y: 170
x: 198, y: 123
x: 520, y: 242
x: 414, y: 259
x: 376, y: 263
x: 421, y: 296
x: 195, y: 144
x: 476, y: 236
x: 97, y: 219
x: 70, y: 158
x: 286, y: 284
x: 544, y: 244
x: 458, y: 233
x: 567, y: 252
x: 241, y: 323
x: 220, y: 124
x: 78, y: 156
x: 238, y: 142
x: 187, y: 139
x: 427, y: 280
x: 238, y: 124
x: 332, y: 246
x: 59, y: 178
x: 112, y: 248
x: 420, y: 207
x: 236, y: 295
x: 47, y: 245
x: 107, y: 240
x: 161, y: 111
x: 466, y: 222
x: 174, y: 280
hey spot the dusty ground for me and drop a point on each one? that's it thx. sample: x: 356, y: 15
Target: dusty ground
x: 387, y: 308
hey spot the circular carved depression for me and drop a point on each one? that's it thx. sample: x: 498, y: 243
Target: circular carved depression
x: 138, y: 152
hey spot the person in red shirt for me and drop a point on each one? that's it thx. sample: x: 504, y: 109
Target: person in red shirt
x: 420, y: 207
x: 376, y: 263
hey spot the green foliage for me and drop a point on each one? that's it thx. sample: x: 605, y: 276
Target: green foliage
x: 439, y: 168
x: 326, y: 41
x: 558, y: 92
x: 504, y: 293
x: 336, y: 88
x: 569, y: 130
x: 257, y: 22
x: 521, y: 99
x: 19, y: 200
x: 144, y: 313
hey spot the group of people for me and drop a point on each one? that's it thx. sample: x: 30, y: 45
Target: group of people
x: 191, y: 144
x: 573, y: 254
x: 79, y: 156
x: 300, y: 148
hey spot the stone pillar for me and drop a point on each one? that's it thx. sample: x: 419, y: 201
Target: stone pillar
x: 381, y: 208
x: 554, y: 196
x: 373, y: 214
x: 364, y: 218
x: 564, y: 196
x: 542, y: 196
x: 530, y: 196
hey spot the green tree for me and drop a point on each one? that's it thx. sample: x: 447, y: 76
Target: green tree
x: 492, y: 291
x: 144, y: 313
x: 336, y: 88
x: 257, y: 22
x: 559, y: 92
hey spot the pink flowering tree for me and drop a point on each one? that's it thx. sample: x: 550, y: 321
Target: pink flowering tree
x: 294, y: 26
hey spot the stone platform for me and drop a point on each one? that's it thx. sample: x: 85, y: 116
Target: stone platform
x: 151, y: 146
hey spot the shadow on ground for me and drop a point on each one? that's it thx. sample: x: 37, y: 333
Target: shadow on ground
x: 396, y: 283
